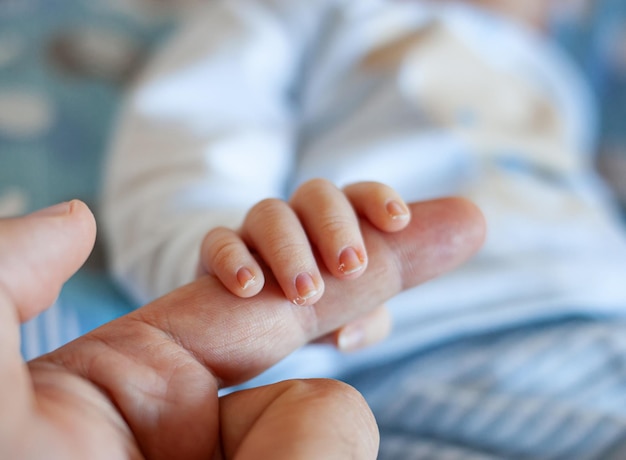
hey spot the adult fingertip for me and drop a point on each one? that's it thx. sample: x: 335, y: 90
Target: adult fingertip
x: 77, y: 206
x: 80, y: 208
x: 471, y: 221
x: 56, y: 210
x: 48, y: 246
x: 85, y: 225
x: 443, y: 234
x: 75, y: 209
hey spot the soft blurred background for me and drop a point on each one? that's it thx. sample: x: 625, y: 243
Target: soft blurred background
x: 64, y: 66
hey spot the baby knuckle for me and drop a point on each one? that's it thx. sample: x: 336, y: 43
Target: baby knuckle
x: 267, y: 209
x: 335, y: 224
x: 225, y: 250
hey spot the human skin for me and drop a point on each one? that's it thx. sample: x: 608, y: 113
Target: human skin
x: 146, y: 385
x: 319, y: 224
x: 319, y: 218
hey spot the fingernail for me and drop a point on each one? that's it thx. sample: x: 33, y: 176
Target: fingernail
x: 245, y: 278
x: 396, y: 210
x: 350, y: 261
x: 351, y: 338
x: 306, y: 288
x: 56, y: 210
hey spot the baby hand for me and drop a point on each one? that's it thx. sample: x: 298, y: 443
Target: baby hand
x: 319, y: 220
x: 319, y: 223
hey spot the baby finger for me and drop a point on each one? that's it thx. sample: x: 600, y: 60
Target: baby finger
x: 225, y: 255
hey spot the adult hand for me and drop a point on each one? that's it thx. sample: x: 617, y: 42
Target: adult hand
x: 146, y: 385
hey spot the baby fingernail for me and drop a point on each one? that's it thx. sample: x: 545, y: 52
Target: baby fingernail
x: 350, y: 261
x: 245, y: 278
x: 306, y: 288
x: 396, y: 210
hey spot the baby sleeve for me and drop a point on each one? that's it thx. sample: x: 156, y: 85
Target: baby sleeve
x: 206, y: 132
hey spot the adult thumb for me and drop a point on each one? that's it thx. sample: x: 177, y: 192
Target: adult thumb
x: 40, y: 251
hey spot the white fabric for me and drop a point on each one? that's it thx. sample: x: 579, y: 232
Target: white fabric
x: 251, y: 98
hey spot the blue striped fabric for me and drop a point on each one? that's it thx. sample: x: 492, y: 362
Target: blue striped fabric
x: 88, y: 300
x: 552, y: 391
